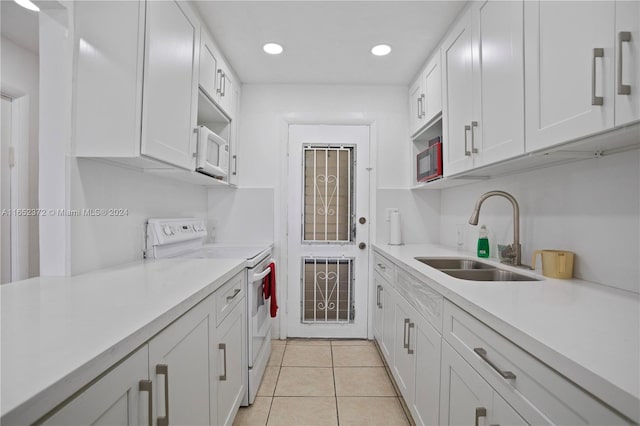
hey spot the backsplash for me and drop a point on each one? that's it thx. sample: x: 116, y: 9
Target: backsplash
x: 589, y: 207
x: 103, y: 241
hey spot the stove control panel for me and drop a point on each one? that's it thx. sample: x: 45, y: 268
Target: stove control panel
x: 169, y: 231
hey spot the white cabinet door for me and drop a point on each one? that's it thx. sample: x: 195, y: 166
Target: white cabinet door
x: 457, y: 97
x: 179, y: 369
x: 378, y: 311
x: 627, y: 62
x: 497, y: 129
x: 108, y: 78
x: 115, y: 399
x: 170, y: 84
x: 465, y: 398
x: 403, y: 361
x: 229, y: 365
x: 569, y: 58
x: 416, y: 105
x: 432, y: 89
x: 427, y: 345
x: 208, y: 65
x: 388, y: 301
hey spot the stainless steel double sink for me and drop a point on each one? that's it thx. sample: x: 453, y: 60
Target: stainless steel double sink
x: 472, y: 270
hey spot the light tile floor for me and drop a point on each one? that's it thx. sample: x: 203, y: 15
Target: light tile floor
x: 324, y: 382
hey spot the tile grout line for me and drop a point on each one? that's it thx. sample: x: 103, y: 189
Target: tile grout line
x: 335, y: 390
x: 273, y: 395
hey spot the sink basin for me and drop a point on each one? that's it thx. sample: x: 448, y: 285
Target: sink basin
x: 453, y: 263
x: 488, y: 275
x: 472, y: 270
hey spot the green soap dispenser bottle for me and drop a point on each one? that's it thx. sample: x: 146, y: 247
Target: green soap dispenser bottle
x: 483, y: 242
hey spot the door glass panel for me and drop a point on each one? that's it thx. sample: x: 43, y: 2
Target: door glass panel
x: 327, y: 290
x: 328, y: 194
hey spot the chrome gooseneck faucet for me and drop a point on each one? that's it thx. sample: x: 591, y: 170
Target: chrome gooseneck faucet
x: 514, y: 251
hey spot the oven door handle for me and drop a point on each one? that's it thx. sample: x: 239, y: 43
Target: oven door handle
x: 261, y: 275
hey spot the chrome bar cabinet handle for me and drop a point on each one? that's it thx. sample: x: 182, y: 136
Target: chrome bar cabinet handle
x: 235, y: 165
x: 381, y: 266
x: 467, y: 153
x: 474, y: 150
x: 419, y: 101
x: 424, y: 102
x: 146, y: 386
x: 405, y: 342
x: 163, y: 369
x: 409, y: 350
x: 233, y: 296
x: 378, y: 290
x: 482, y: 353
x: 623, y: 37
x: 223, y: 348
x: 220, y: 78
x: 480, y: 412
x: 598, y: 52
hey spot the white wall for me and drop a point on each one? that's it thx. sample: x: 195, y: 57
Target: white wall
x: 590, y: 207
x: 100, y: 242
x: 241, y: 216
x: 20, y: 75
x: 419, y: 215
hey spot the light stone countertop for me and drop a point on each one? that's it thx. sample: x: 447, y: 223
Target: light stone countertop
x: 588, y: 332
x: 59, y: 333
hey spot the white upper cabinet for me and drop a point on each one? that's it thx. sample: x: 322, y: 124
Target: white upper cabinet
x: 483, y: 89
x: 627, y: 85
x: 135, y: 93
x: 425, y: 95
x: 215, y: 77
x: 169, y: 104
x: 497, y: 128
x: 570, y: 58
x: 208, y: 65
x: 432, y: 88
x: 415, y: 106
x: 456, y: 96
x: 108, y: 78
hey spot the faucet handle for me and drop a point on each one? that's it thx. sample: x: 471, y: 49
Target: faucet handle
x: 507, y: 253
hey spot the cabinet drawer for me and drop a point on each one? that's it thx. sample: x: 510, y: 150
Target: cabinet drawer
x: 228, y: 296
x: 384, y: 266
x: 426, y: 301
x: 538, y: 393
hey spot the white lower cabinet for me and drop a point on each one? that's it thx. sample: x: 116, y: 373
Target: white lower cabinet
x: 416, y: 363
x: 120, y: 397
x: 536, y: 393
x: 193, y: 372
x: 466, y: 398
x: 178, y: 367
x: 383, y: 320
x: 229, y: 364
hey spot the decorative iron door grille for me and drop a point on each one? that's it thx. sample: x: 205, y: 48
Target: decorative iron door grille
x: 328, y: 173
x: 327, y: 290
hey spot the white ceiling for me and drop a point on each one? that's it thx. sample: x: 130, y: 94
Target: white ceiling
x: 19, y: 25
x: 328, y: 42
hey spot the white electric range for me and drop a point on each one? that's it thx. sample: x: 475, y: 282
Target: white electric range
x: 175, y: 238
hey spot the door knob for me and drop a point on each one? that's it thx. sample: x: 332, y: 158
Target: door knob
x: 362, y: 220
x: 362, y: 246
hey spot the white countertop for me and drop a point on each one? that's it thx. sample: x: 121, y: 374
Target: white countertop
x: 60, y: 333
x: 588, y: 332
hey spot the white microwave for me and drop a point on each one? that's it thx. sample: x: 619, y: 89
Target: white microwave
x: 212, y: 155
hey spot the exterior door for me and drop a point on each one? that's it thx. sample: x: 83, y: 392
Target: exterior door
x: 328, y: 231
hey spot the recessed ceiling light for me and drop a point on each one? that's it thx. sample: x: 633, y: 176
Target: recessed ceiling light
x: 272, y: 48
x: 27, y: 4
x: 381, y: 49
